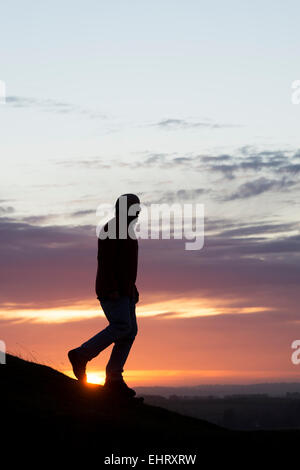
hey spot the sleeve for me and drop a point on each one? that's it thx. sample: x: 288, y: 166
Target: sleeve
x: 108, y: 259
x: 137, y: 294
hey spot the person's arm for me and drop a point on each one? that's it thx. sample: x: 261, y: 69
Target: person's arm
x: 109, y: 265
x: 137, y: 294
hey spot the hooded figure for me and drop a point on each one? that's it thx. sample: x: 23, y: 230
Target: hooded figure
x: 118, y: 251
x: 117, y: 293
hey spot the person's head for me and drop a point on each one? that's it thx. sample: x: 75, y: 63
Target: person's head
x: 129, y: 206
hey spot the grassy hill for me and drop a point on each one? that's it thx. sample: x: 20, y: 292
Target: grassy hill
x: 46, y: 410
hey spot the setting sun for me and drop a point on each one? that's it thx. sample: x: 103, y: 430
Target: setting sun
x: 95, y: 378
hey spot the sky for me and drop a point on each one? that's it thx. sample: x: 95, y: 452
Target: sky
x: 178, y: 102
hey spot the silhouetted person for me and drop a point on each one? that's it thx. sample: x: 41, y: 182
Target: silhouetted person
x: 117, y: 293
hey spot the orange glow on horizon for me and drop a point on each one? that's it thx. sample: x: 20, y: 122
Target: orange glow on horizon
x: 182, y: 378
x: 170, y: 308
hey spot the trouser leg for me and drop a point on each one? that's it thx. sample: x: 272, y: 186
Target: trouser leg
x: 118, y: 313
x: 121, y: 349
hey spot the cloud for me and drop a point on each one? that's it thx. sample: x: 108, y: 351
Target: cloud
x: 83, y: 212
x: 52, y: 106
x: 86, y: 163
x: 226, y: 170
x: 294, y: 169
x: 270, y: 161
x: 245, y: 161
x: 162, y: 197
x: 217, y: 158
x: 55, y: 266
x: 224, y: 342
x: 175, y: 124
x: 6, y: 210
x: 259, y: 186
x: 37, y: 219
x: 297, y: 154
x: 42, y: 219
x: 39, y: 263
x: 275, y: 171
x: 259, y: 229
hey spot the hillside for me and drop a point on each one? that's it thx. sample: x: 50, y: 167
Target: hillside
x: 46, y: 410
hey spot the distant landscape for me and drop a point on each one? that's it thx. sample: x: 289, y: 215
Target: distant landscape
x: 244, y: 412
x: 241, y: 407
x: 276, y: 389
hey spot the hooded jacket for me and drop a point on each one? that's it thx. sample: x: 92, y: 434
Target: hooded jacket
x: 117, y: 265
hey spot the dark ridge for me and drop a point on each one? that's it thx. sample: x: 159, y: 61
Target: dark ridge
x: 44, y: 409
